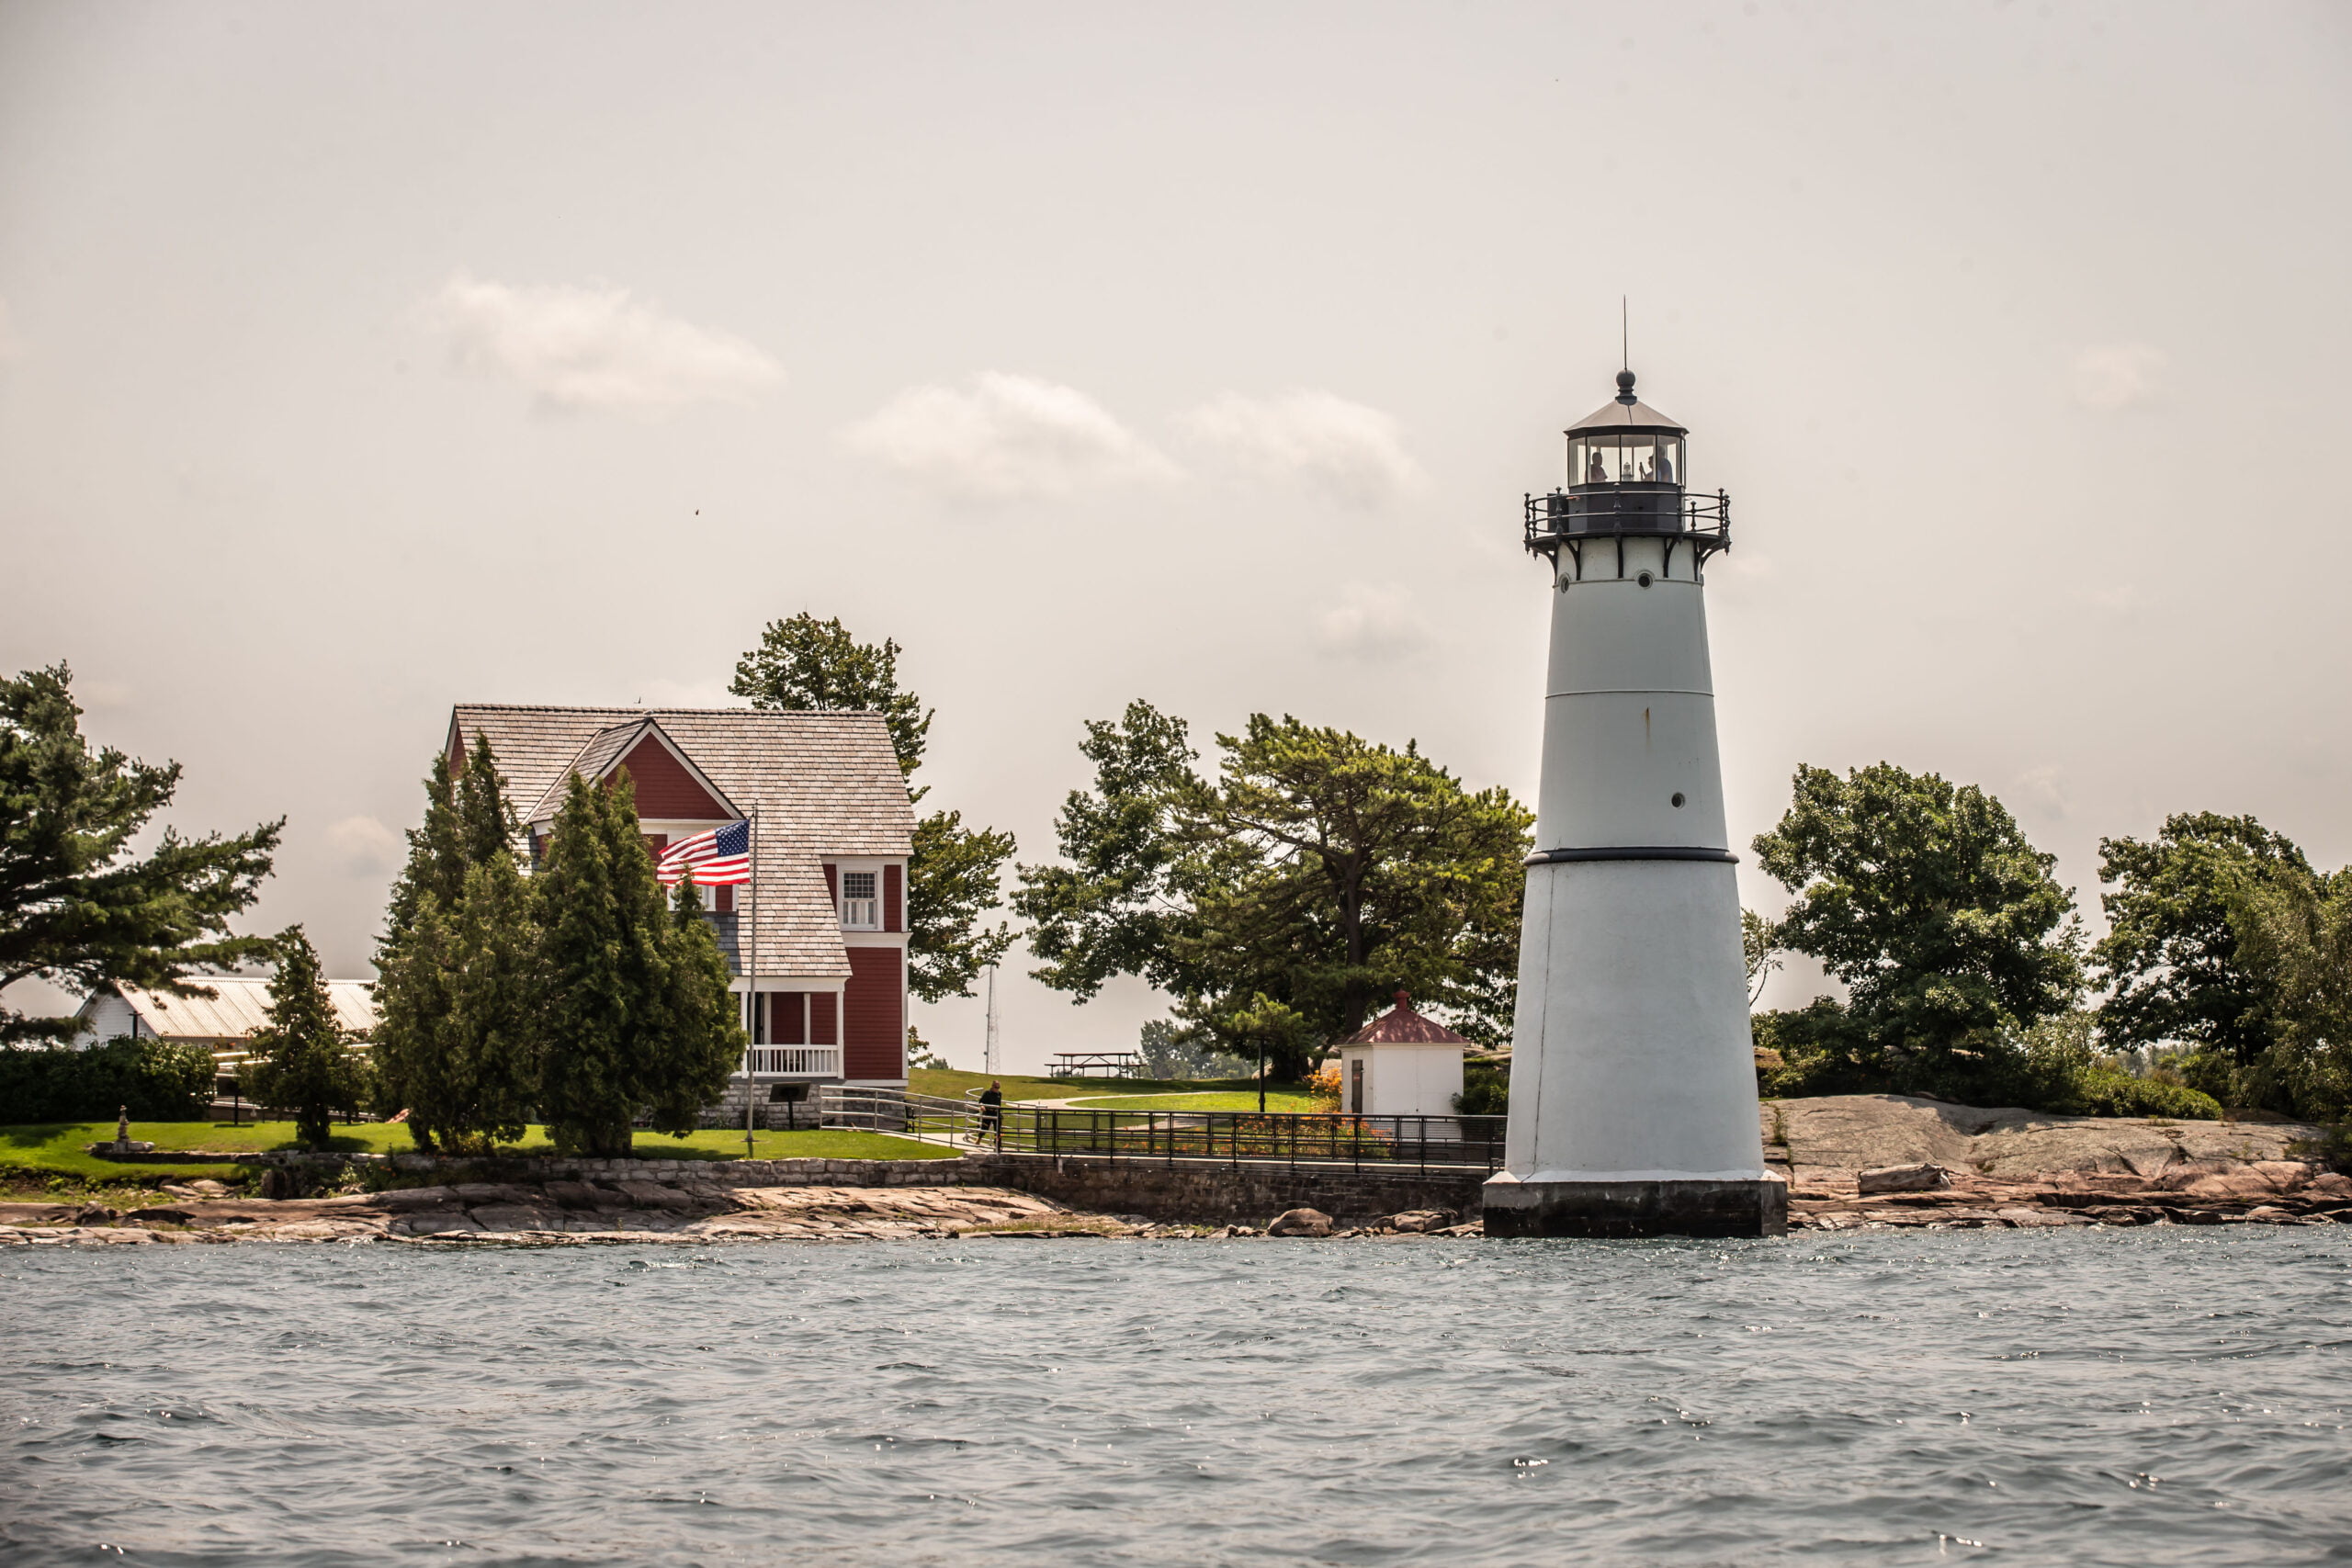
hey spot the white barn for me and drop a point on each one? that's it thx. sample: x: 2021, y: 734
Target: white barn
x: 223, y: 1021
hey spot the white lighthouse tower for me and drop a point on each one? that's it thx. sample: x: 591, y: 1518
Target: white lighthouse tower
x: 1633, y: 1084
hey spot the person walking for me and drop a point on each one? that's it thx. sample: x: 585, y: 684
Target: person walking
x: 992, y: 1112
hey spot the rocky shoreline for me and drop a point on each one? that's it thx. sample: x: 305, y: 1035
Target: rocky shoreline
x: 558, y: 1214
x: 1895, y: 1160
x: 1851, y: 1162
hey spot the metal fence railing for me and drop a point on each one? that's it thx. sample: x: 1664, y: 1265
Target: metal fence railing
x: 1226, y: 1137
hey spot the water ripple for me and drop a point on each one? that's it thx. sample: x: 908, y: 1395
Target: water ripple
x: 2131, y: 1397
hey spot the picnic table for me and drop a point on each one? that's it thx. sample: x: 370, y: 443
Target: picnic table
x: 1096, y: 1065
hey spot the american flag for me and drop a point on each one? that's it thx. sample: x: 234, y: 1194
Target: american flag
x: 717, y: 857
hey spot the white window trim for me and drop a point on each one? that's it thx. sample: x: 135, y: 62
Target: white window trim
x: 857, y: 914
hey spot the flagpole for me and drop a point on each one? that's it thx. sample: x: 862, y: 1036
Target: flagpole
x: 752, y: 972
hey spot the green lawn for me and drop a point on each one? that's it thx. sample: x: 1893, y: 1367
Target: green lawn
x: 59, y: 1147
x: 1277, y: 1100
x: 56, y: 1147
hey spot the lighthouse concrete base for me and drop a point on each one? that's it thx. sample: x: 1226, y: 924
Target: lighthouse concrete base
x: 1702, y: 1207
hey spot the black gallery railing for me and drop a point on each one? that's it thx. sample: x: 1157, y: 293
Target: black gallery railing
x: 1422, y: 1143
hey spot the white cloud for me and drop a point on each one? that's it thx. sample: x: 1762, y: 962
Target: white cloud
x: 1003, y: 435
x: 1374, y: 622
x: 1352, y: 453
x: 594, y: 348
x: 365, y: 847
x: 2118, y: 375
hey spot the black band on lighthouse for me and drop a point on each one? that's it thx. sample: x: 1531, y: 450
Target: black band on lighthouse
x: 1633, y: 852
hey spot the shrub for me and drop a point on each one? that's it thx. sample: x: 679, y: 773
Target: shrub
x: 157, y: 1080
x: 2053, y: 1066
x: 2106, y: 1091
x: 1486, y: 1090
x: 2211, y: 1073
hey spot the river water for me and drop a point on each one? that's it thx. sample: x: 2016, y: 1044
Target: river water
x: 2141, y: 1397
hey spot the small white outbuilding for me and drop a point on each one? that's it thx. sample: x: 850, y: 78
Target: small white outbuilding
x: 1400, y: 1065
x: 224, y: 1021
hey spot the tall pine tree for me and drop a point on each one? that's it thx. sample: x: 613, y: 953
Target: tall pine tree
x: 704, y: 1043
x: 490, y: 1072
x: 638, y: 1020
x: 302, y: 1061
x: 427, y: 1051
x: 79, y: 908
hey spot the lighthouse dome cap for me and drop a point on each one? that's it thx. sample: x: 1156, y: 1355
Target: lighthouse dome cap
x: 1625, y: 413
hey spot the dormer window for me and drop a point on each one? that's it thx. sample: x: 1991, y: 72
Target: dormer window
x: 861, y: 903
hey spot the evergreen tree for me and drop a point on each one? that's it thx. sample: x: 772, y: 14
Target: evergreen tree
x: 489, y: 1073
x: 485, y: 825
x: 78, y: 909
x: 704, y: 1043
x: 953, y: 874
x: 812, y: 666
x: 302, y: 1061
x: 427, y: 1051
x: 417, y: 1051
x: 639, y: 1018
x: 1116, y: 908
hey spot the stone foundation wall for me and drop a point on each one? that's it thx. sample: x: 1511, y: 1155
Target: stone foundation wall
x: 1226, y: 1195
x: 1199, y: 1193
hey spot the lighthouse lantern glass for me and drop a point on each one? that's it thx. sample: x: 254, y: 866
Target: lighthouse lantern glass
x: 1626, y: 457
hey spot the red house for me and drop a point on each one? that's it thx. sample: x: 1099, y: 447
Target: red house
x: 817, y: 937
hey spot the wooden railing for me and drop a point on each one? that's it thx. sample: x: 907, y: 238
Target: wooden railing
x: 795, y: 1061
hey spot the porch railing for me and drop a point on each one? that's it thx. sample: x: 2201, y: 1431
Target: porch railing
x: 796, y: 1061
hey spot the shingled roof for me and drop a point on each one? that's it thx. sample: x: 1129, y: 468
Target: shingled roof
x: 824, y: 784
x: 1400, y: 1025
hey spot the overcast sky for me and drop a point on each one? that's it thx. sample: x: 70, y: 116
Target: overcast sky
x: 357, y: 360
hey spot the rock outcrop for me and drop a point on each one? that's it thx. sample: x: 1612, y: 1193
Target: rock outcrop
x: 1849, y: 1133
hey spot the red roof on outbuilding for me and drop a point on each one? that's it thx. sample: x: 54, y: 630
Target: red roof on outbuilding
x: 1400, y: 1025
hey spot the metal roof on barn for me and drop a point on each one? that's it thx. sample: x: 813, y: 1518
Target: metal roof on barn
x: 238, y: 1005
x: 1400, y: 1025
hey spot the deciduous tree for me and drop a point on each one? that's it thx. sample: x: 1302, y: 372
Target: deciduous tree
x: 2294, y: 932
x: 78, y: 907
x: 1320, y: 872
x: 2171, y: 953
x: 1943, y: 921
x: 953, y: 875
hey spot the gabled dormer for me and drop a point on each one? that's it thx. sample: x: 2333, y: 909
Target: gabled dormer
x: 670, y: 786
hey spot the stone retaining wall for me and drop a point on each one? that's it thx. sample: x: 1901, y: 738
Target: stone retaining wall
x: 1205, y: 1193
x: 1198, y: 1193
